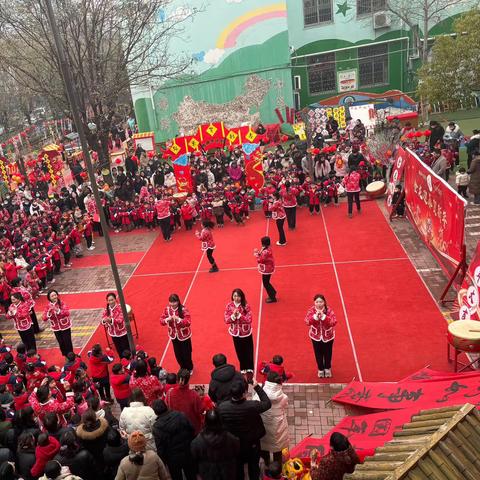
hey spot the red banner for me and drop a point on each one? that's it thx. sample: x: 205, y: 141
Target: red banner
x: 419, y: 395
x: 211, y: 135
x: 254, y: 171
x: 365, y: 432
x: 429, y: 375
x: 437, y: 211
x: 468, y: 295
x: 183, y: 177
x: 396, y: 174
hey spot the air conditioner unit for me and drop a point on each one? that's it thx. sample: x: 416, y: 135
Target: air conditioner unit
x: 381, y: 20
x: 297, y: 82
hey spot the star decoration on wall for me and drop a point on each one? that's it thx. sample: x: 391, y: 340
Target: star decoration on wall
x: 343, y: 8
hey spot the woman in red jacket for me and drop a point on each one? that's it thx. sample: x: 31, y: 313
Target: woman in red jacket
x: 289, y: 195
x: 278, y: 214
x: 177, y: 318
x: 266, y: 266
x: 352, y: 186
x: 321, y: 320
x: 238, y: 317
x: 208, y: 244
x: 19, y: 312
x: 114, y: 322
x: 58, y: 314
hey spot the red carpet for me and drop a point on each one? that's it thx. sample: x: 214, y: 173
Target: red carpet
x: 395, y: 325
x: 101, y: 260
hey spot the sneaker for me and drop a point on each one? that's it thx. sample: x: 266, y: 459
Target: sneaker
x: 52, y: 280
x: 281, y: 244
x: 191, y: 372
x: 328, y: 373
x: 91, y: 248
x: 350, y: 215
x: 214, y: 269
x: 321, y: 374
x: 271, y: 300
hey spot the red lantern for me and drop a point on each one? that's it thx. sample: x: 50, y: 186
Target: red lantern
x: 316, y: 151
x: 150, y: 154
x: 118, y: 160
x: 23, y: 134
x: 284, y: 138
x: 165, y: 156
x: 427, y: 133
x: 410, y: 135
x: 231, y: 148
x: 419, y: 134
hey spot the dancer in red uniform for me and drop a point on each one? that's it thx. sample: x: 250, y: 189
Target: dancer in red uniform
x: 19, y: 312
x: 162, y: 205
x: 238, y: 316
x: 289, y: 195
x: 114, y: 322
x: 58, y: 314
x: 322, y: 321
x: 266, y: 266
x: 208, y: 244
x: 177, y: 318
x: 278, y: 214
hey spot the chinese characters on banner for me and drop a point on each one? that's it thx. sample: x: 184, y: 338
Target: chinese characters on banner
x: 468, y: 295
x: 413, y: 394
x: 396, y: 175
x: 183, y: 175
x: 436, y: 210
x: 253, y: 166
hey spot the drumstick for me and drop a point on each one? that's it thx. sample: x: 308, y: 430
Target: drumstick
x: 476, y: 331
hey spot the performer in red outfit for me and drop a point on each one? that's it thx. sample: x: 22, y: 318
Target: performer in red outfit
x: 322, y: 321
x: 177, y: 318
x: 208, y: 244
x: 238, y: 316
x: 289, y: 195
x: 266, y: 266
x: 19, y: 312
x: 60, y: 322
x: 278, y: 214
x: 115, y: 324
x: 162, y: 206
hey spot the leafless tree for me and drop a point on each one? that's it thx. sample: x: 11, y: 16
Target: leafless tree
x: 110, y: 45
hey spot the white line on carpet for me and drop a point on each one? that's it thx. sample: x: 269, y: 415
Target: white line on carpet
x: 354, y: 350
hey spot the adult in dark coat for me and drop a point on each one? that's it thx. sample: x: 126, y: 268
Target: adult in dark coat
x: 26, y: 455
x: 173, y: 434
x: 474, y: 185
x: 113, y: 453
x: 222, y: 379
x: 241, y: 418
x: 131, y: 166
x: 92, y: 433
x: 79, y: 460
x: 215, y: 451
x: 437, y: 134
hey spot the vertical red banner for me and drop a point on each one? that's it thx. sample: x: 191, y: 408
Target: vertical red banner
x: 396, y: 174
x: 183, y: 175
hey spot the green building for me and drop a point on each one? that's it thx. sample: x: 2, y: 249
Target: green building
x: 251, y: 57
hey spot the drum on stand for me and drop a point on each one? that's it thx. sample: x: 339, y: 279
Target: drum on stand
x: 376, y: 189
x: 180, y: 197
x: 464, y: 336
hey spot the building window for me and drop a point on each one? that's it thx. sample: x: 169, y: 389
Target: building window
x: 373, y: 65
x: 370, y: 6
x: 317, y: 11
x: 321, y: 74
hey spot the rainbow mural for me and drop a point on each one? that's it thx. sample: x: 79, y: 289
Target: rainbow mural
x: 228, y: 38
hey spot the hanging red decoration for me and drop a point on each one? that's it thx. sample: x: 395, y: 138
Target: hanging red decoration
x: 427, y: 133
x: 316, y: 151
x: 118, y: 160
x: 150, y: 154
x: 284, y: 138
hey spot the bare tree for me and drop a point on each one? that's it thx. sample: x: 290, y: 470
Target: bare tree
x: 110, y: 45
x: 422, y: 15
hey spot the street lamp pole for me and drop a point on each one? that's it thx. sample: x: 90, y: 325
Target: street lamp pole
x: 74, y: 105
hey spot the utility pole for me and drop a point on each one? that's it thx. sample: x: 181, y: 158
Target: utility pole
x: 74, y: 106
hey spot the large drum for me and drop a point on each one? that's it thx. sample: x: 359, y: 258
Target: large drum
x: 464, y: 335
x: 180, y: 197
x: 376, y: 189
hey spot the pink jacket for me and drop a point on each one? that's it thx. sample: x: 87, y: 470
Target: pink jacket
x: 289, y: 197
x: 352, y: 182
x: 206, y: 237
x: 278, y: 212
x: 163, y: 208
x: 113, y: 320
x: 239, y: 320
x: 59, y: 316
x: 20, y: 315
x: 266, y: 263
x: 322, y: 325
x: 177, y: 329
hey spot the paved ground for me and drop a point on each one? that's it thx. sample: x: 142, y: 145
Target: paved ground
x: 310, y: 411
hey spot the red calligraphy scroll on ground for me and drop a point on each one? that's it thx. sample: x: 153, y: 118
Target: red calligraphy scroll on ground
x: 436, y: 210
x: 412, y: 394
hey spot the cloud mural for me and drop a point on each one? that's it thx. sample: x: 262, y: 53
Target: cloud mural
x: 213, y: 56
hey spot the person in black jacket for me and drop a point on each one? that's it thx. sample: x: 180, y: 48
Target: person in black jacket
x: 26, y: 455
x: 113, y: 453
x: 437, y: 134
x: 215, y: 451
x: 241, y: 418
x: 222, y: 379
x: 173, y: 434
x: 79, y: 460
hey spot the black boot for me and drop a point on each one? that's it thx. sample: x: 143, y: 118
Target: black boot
x: 214, y: 268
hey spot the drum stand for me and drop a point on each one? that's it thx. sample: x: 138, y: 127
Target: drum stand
x: 456, y: 363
